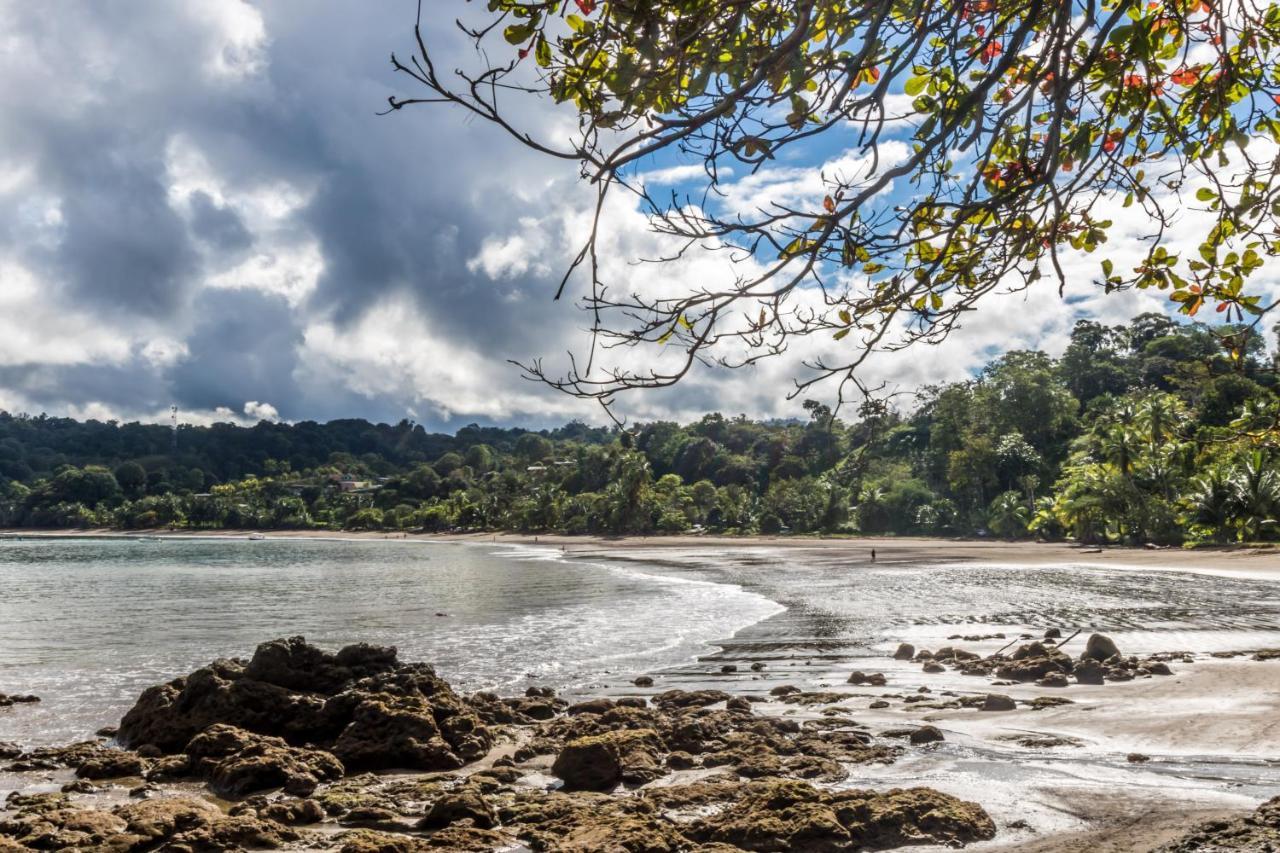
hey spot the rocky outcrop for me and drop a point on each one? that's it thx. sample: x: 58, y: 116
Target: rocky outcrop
x: 1255, y: 832
x: 236, y: 762
x: 362, y: 704
x: 169, y: 823
x: 602, y: 762
x: 783, y: 815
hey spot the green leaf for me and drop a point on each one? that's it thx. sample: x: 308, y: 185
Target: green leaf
x: 1205, y: 194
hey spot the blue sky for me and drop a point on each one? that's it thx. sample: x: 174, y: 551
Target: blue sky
x: 199, y: 207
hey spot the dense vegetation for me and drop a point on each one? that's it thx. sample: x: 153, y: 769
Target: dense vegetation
x: 1154, y: 432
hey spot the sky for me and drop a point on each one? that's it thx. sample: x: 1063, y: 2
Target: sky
x: 200, y: 207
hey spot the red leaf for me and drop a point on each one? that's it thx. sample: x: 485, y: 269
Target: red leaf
x: 587, y: 6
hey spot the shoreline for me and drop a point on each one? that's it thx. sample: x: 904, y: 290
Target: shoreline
x: 1243, y: 560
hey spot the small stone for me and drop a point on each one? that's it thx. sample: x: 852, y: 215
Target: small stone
x: 643, y: 681
x: 1137, y: 758
x: 1053, y: 634
x: 878, y: 704
x: 728, y: 669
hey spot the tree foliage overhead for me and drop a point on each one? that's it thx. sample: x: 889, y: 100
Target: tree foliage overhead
x: 989, y: 135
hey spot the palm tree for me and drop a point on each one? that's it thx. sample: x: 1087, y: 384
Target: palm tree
x: 1213, y: 500
x: 1257, y: 495
x: 1008, y: 515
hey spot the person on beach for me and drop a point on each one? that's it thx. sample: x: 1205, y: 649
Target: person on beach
x: 873, y: 555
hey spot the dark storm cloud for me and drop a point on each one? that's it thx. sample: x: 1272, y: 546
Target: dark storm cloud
x: 244, y: 347
x: 218, y: 225
x: 396, y: 204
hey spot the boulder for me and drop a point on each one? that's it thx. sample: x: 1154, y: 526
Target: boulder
x: 905, y: 651
x: 643, y: 681
x: 602, y: 762
x: 1100, y: 648
x: 465, y: 803
x: 236, y: 762
x: 1053, y: 633
x: 998, y: 702
x: 592, y: 706
x: 1089, y: 671
x: 926, y: 734
x: 112, y: 764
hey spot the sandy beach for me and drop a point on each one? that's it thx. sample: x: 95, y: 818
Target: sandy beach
x: 1216, y: 560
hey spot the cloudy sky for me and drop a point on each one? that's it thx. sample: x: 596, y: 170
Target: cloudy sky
x: 199, y: 207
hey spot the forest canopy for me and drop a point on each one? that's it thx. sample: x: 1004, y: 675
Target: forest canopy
x: 1137, y: 433
x: 959, y: 149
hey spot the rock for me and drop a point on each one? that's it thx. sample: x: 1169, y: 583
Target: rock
x: 673, y: 699
x: 1041, y: 702
x: 160, y: 818
x: 557, y: 821
x: 1100, y: 648
x: 112, y: 764
x: 462, y: 804
x: 370, y: 841
x: 534, y: 692
x: 783, y: 815
x: 905, y: 651
x: 998, y: 702
x: 926, y: 734
x: 878, y: 704
x: 388, y: 731
x: 244, y: 832
x: 1054, y: 679
x: 1089, y: 671
x: 681, y: 761
x: 728, y: 669
x: 933, y: 667
x: 289, y: 812
x: 1053, y: 634
x: 1137, y: 758
x: 643, y: 681
x: 784, y: 690
x: 1156, y: 667
x: 592, y: 706
x: 236, y: 762
x: 602, y: 762
x: 1256, y: 832
x: 738, y: 703
x: 757, y: 666
x: 361, y: 704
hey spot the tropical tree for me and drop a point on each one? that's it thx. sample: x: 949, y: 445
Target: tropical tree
x: 982, y: 141
x: 1008, y: 516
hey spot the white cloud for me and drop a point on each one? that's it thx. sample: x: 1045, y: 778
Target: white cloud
x: 260, y: 411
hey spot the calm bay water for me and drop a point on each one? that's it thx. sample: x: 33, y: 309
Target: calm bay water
x: 87, y: 624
